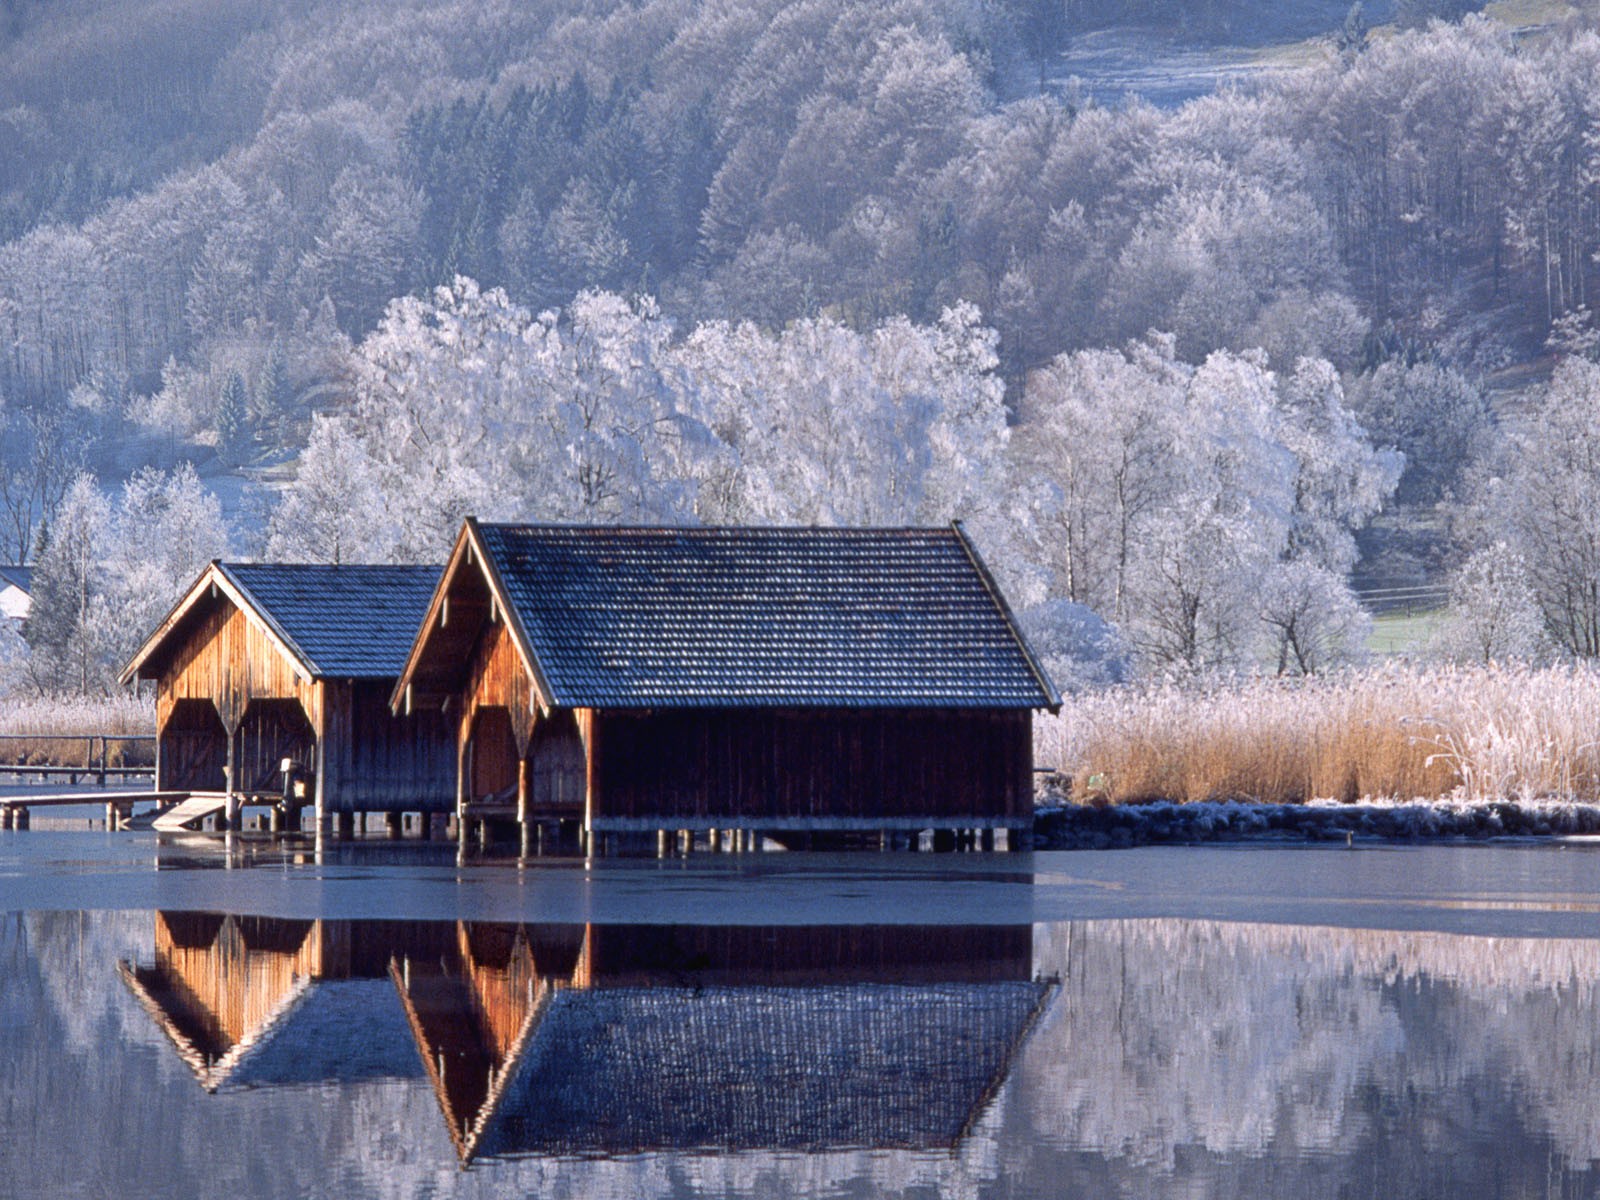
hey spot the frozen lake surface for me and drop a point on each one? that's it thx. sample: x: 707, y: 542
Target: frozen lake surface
x: 251, y: 1021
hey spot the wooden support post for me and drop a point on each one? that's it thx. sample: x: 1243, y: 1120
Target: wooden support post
x: 988, y: 839
x: 522, y: 796
x: 391, y: 824
x: 19, y: 817
x: 5, y: 816
x: 229, y: 775
x: 344, y: 825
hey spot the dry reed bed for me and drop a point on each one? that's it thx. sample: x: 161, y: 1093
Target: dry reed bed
x: 1396, y: 732
x: 55, y: 727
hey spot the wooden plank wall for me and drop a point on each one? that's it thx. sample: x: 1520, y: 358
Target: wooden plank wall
x: 374, y: 761
x: 194, y: 748
x: 371, y: 761
x: 230, y: 661
x: 494, y: 753
x: 863, y: 765
x: 497, y: 678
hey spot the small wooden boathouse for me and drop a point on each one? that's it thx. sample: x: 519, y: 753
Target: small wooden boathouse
x: 791, y: 683
x: 260, y: 664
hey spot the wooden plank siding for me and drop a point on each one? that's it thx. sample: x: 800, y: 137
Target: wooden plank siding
x: 374, y: 760
x: 497, y: 678
x: 230, y: 660
x: 799, y: 769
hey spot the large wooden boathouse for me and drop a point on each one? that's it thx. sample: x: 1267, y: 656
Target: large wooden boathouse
x: 262, y: 664
x: 733, y: 683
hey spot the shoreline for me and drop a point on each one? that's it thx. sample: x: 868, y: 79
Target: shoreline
x: 1160, y: 823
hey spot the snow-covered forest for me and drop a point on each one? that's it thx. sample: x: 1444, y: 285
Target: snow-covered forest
x: 372, y: 267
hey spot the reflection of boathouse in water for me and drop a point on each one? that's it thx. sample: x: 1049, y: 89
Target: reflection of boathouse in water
x: 574, y: 1039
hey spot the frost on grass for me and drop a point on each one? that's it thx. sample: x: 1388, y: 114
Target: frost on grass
x: 1472, y: 734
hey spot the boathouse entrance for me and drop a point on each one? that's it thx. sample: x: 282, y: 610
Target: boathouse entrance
x: 493, y: 756
x: 273, y: 730
x: 193, y: 749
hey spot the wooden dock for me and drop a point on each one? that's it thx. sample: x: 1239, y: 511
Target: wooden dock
x: 15, y: 810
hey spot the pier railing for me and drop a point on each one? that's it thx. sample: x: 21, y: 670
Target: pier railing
x: 103, y: 757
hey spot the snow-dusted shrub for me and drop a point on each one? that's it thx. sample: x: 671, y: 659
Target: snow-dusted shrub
x: 1077, y: 647
x: 1493, y: 613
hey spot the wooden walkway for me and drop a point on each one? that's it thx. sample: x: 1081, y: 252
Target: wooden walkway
x: 14, y: 810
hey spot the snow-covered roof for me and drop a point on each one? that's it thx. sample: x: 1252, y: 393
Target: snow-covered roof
x: 688, y: 617
x: 347, y: 622
x: 335, y: 621
x: 18, y: 577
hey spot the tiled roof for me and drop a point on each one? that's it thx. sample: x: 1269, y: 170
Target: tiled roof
x: 709, y: 617
x: 346, y: 1030
x: 346, y: 622
x: 867, y: 1065
x: 18, y: 577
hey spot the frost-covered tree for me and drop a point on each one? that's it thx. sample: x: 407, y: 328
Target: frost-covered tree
x: 468, y: 403
x: 1077, y: 646
x: 336, y: 511
x: 1493, y: 614
x: 233, y: 420
x: 1543, y: 500
x: 1311, y: 618
x: 1435, y: 415
x: 64, y: 633
x: 272, y: 397
x: 109, y: 572
x: 164, y: 529
x: 1179, y: 498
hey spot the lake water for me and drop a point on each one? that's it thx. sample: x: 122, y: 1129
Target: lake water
x: 246, y: 1020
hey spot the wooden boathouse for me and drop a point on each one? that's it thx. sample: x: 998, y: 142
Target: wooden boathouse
x: 800, y: 684
x: 263, y: 664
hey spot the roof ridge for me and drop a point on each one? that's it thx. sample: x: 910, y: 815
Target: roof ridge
x: 820, y: 530
x: 254, y: 564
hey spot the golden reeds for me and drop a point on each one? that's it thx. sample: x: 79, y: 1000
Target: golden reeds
x: 1395, y: 732
x: 50, y: 730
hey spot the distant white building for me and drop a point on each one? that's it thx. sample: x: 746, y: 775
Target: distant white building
x: 16, y: 592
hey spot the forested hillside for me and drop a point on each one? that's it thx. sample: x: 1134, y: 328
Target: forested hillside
x: 209, y: 211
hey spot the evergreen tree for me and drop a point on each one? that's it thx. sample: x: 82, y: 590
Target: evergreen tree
x: 269, y: 406
x: 233, y: 421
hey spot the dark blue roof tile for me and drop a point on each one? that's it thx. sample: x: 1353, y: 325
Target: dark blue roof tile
x: 346, y: 622
x: 709, y: 617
